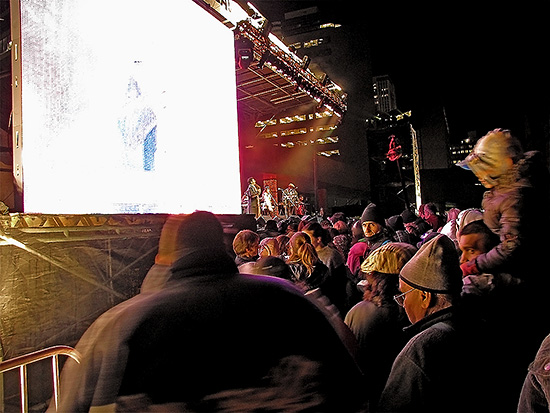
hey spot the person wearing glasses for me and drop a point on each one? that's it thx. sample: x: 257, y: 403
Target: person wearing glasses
x: 442, y: 364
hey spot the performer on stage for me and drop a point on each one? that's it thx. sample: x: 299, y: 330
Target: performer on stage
x: 268, y: 202
x: 290, y: 199
x: 253, y: 194
x: 301, y: 210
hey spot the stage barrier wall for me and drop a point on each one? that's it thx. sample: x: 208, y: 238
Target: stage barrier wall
x: 58, y: 273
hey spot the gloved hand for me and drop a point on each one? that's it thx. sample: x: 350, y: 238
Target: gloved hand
x: 469, y: 268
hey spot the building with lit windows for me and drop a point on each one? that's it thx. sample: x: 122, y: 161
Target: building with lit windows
x: 338, y: 173
x: 461, y: 150
x: 384, y: 94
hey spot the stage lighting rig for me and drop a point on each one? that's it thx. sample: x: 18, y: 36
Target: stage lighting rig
x: 290, y: 66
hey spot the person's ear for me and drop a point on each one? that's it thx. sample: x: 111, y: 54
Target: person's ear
x: 426, y: 299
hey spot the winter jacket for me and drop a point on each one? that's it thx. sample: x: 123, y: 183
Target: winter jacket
x: 209, y: 340
x: 535, y: 394
x: 516, y: 210
x: 361, y: 249
x: 379, y: 333
x: 439, y: 369
x: 338, y: 278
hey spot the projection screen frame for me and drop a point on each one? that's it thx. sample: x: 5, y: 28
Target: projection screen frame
x: 22, y: 173
x: 17, y: 108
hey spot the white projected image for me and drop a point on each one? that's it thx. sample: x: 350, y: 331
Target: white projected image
x: 127, y: 108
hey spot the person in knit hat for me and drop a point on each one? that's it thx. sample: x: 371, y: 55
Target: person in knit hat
x: 457, y: 219
x: 376, y: 235
x: 377, y: 322
x: 428, y: 374
x: 397, y: 227
x: 415, y: 226
x: 211, y: 340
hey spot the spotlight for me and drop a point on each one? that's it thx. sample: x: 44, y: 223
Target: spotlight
x: 263, y: 59
x: 245, y: 58
x: 299, y: 81
x: 244, y: 49
x: 305, y: 62
x: 322, y: 102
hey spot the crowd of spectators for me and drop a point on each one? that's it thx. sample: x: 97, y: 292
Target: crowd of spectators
x: 429, y: 310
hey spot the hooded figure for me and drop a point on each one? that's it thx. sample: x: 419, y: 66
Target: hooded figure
x: 428, y: 374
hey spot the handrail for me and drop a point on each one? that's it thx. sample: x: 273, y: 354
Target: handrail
x: 39, y: 355
x: 21, y: 362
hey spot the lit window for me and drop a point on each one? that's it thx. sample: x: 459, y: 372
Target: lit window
x: 327, y: 140
x: 311, y: 43
x: 326, y: 128
x: 295, y: 118
x: 269, y: 135
x: 264, y: 123
x: 291, y: 132
x: 329, y: 153
x: 325, y: 114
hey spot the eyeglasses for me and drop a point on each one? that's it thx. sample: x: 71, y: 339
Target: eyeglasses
x: 400, y: 298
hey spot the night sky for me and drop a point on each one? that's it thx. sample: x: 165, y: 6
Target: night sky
x: 486, y: 65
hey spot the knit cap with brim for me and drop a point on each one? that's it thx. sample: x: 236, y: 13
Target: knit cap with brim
x: 389, y: 258
x: 434, y: 268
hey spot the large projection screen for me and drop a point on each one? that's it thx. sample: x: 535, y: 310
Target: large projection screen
x: 127, y: 106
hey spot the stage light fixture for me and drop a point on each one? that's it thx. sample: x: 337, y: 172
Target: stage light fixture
x: 305, y: 62
x: 263, y: 59
x: 244, y: 50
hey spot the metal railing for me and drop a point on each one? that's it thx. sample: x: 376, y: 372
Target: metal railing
x: 21, y: 363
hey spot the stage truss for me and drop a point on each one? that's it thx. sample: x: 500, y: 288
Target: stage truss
x: 276, y: 80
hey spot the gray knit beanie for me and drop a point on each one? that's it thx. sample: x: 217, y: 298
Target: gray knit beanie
x: 435, y: 267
